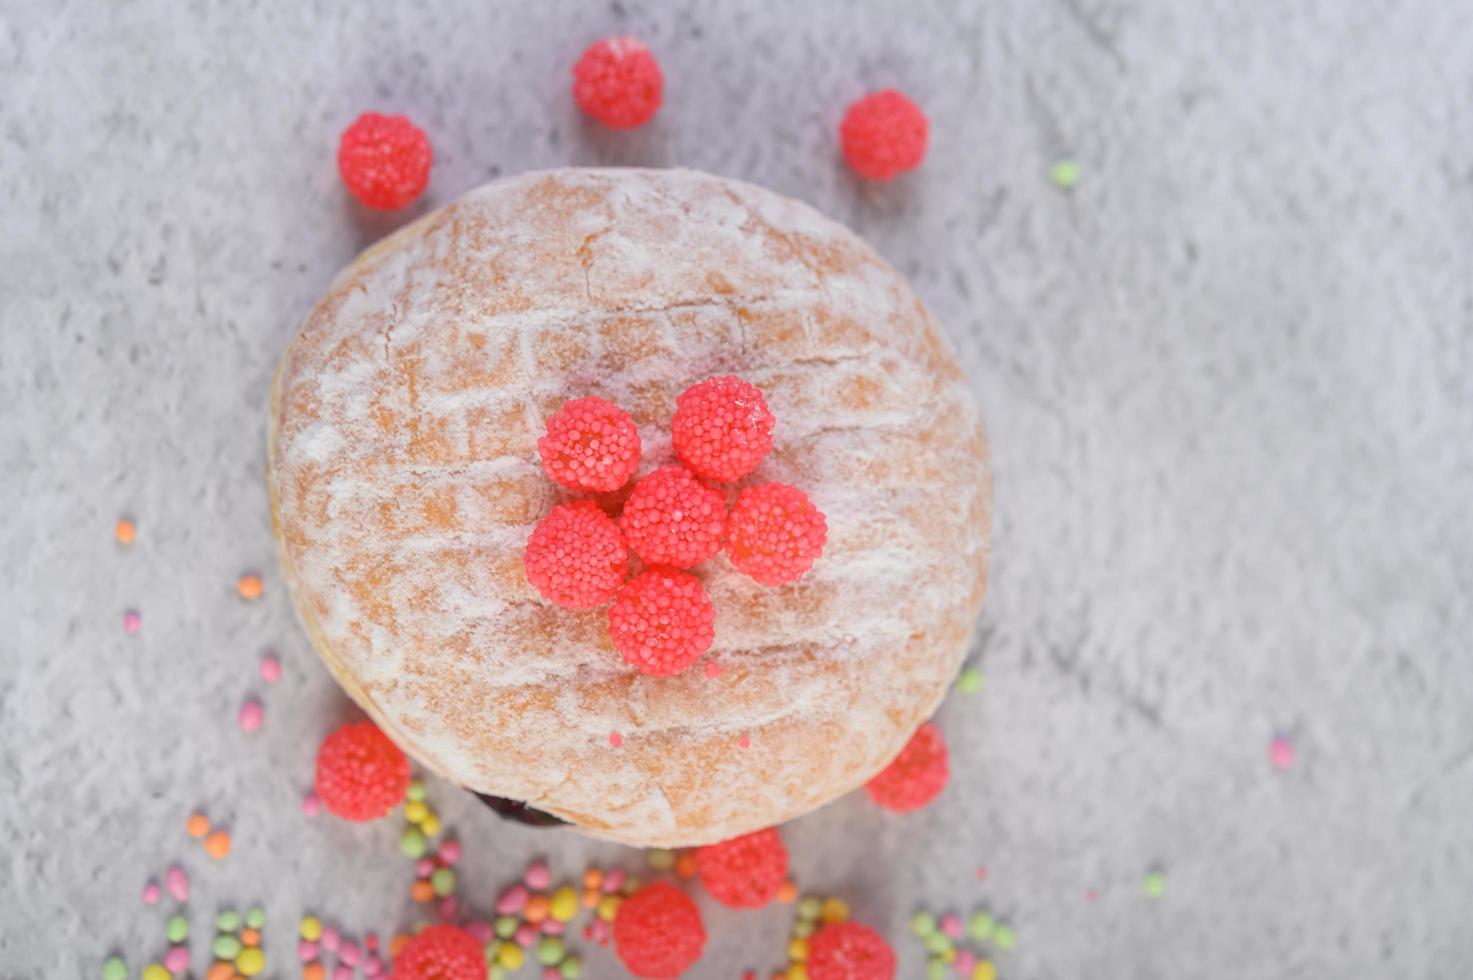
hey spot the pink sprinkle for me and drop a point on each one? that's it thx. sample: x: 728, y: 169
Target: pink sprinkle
x: 251, y: 715
x: 551, y: 973
x: 370, y: 941
x: 424, y: 867
x: 177, y: 882
x: 713, y: 669
x: 151, y: 893
x: 1281, y: 753
x: 311, y: 803
x: 306, y: 950
x: 537, y: 876
x: 744, y: 742
x: 373, y: 966
x: 176, y: 960
x: 552, y: 927
x: 613, y: 881
x: 349, y: 952
x: 526, y: 934
x: 481, y: 932
x: 270, y: 668
x: 615, y: 739
x: 450, y: 851
x: 132, y: 622
x: 981, y: 871
x: 342, y: 972
x: 449, y: 908
x: 951, y: 924
x: 330, y: 939
x: 966, y: 962
x: 600, y: 931
x: 1093, y: 895
x: 512, y: 901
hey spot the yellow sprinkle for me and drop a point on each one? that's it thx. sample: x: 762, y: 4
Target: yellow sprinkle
x: 834, y: 910
x: 155, y: 972
x: 415, y: 811
x: 510, y: 955
x: 948, y: 955
x: 430, y: 824
x: 797, y: 972
x: 251, y: 961
x: 564, y: 904
x: 984, y: 970
x: 311, y: 928
x: 798, y: 950
x: 608, y: 907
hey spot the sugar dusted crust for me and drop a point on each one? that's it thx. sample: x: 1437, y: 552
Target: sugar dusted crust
x: 405, y: 481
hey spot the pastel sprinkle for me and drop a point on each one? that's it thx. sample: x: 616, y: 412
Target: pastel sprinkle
x: 124, y: 530
x: 1281, y: 753
x: 132, y: 623
x: 177, y: 929
x: 510, y: 956
x: 1064, y: 174
x: 151, y: 893
x: 615, y: 739
x: 970, y: 680
x: 227, y: 921
x: 526, y: 935
x: 966, y: 962
x: 330, y: 939
x: 803, y: 930
x: 537, y: 875
x: 744, y: 742
x: 342, y: 972
x: 938, y: 943
x: 951, y: 924
x: 424, y: 867
x: 713, y: 669
x: 156, y: 972
x: 197, y: 825
x: 936, y: 969
x: 980, y: 926
x: 373, y: 966
x: 311, y: 804
x: 834, y: 910
x: 1003, y: 937
x: 550, y: 951
x: 552, y: 927
x: 416, y: 789
x: 250, y: 962
x: 661, y: 859
x: 114, y: 969
x: 412, y: 842
x: 787, y: 892
x: 270, y: 668
x: 809, y: 908
x: 349, y: 952
x: 537, y: 909
x: 176, y: 960
x: 225, y: 947
x: 177, y: 882
x: 923, y: 924
x: 430, y: 824
x: 450, y: 851
x: 306, y: 950
x: 443, y: 881
x: 416, y: 810
x: 217, y: 845
x: 571, y: 968
x: 480, y: 931
x: 505, y: 926
x: 249, y: 586
x: 250, y: 715
x: 613, y: 881
x: 255, y: 917
x: 985, y: 970
x: 564, y: 904
x: 1155, y: 884
x: 512, y: 901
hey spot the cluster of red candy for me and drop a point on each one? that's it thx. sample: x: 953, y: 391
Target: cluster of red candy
x: 661, y: 620
x: 385, y: 160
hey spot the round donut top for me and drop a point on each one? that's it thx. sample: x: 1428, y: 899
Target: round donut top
x: 405, y: 482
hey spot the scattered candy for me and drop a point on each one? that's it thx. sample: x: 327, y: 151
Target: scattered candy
x: 311, y: 803
x: 176, y: 960
x: 618, y: 82
x: 951, y: 925
x: 776, y: 533
x: 450, y: 851
x: 227, y: 921
x: 250, y: 962
x: 226, y: 947
x: 255, y: 917
x: 132, y: 622
x: 443, y: 881
x: 412, y: 842
x: 883, y: 135
x: 537, y: 875
x: 658, y: 932
x: 249, y: 586
x: 124, y: 531
x: 662, y: 621
x: 270, y: 669
x: 576, y: 556
x: 151, y: 893
x: 1155, y: 884
x: 850, y: 951
x: 217, y: 845
x: 1003, y: 938
x: 1064, y: 174
x: 833, y: 909
x: 746, y: 871
x: 591, y: 444
x: 156, y: 972
x: 177, y: 882
x: 361, y: 775
x: 177, y: 929
x: 306, y: 950
x: 114, y: 968
x: 672, y: 519
x: 197, y: 825
x: 251, y: 715
x: 512, y: 901
x: 384, y: 161
x: 1281, y: 753
x: 916, y: 776
x: 970, y: 680
x: 564, y: 905
x: 980, y: 926
x: 722, y: 428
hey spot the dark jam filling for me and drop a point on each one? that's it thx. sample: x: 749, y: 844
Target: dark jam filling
x: 520, y: 812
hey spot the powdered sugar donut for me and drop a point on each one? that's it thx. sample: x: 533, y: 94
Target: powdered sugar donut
x: 405, y: 483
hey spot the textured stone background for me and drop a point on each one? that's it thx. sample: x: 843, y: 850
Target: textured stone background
x: 1229, y: 380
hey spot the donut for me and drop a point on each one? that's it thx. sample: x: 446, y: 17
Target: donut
x: 405, y: 481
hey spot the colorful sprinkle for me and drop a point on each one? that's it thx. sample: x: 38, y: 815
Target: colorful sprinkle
x: 250, y: 715
x: 311, y: 804
x: 615, y: 739
x: 249, y: 586
x: 151, y: 893
x: 443, y: 881
x: 125, y: 530
x: 176, y: 960
x: 217, y: 845
x: 980, y: 926
x: 177, y: 882
x: 250, y: 962
x: 923, y: 924
x: 450, y: 851
x: 177, y: 929
x: 564, y: 905
x: 132, y: 623
x: 156, y: 972
x: 951, y: 924
x: 1281, y: 753
x: 197, y: 825
x: 537, y: 875
x: 270, y: 668
x: 1064, y: 174
x: 970, y: 680
x: 255, y: 917
x: 1155, y: 884
x: 114, y: 969
x: 227, y: 921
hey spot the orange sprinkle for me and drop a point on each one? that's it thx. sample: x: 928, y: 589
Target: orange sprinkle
x: 685, y: 865
x: 217, y: 845
x: 536, y: 909
x: 590, y: 898
x: 397, y: 944
x: 197, y: 825
x: 249, y: 586
x: 251, y: 937
x: 314, y: 971
x: 124, y: 531
x: 422, y: 891
x: 787, y: 892
x: 220, y: 970
x: 592, y: 878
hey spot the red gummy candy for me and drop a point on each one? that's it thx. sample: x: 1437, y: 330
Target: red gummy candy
x: 591, y: 444
x: 658, y: 932
x: 661, y: 621
x: 884, y: 135
x: 850, y: 951
x: 576, y: 556
x: 441, y: 952
x: 618, y: 82
x: 384, y: 160
x: 722, y: 428
x: 775, y: 533
x: 918, y: 774
x: 361, y: 775
x: 746, y: 871
x: 671, y: 519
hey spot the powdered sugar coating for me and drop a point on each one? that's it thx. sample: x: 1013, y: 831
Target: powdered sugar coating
x: 406, y: 480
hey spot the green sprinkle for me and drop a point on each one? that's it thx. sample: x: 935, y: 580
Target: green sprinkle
x: 1064, y: 174
x: 1003, y: 937
x: 980, y: 926
x: 225, y: 947
x: 116, y: 969
x: 497, y: 971
x: 923, y: 924
x: 505, y: 926
x: 572, y: 968
x: 416, y: 789
x: 443, y: 881
x: 550, y: 950
x: 662, y: 859
x: 802, y: 930
x: 177, y: 929
x: 227, y: 921
x: 937, y: 970
x: 970, y: 681
x: 255, y: 917
x: 1155, y: 884
x: 938, y: 943
x: 631, y: 885
x: 413, y: 843
x: 808, y: 908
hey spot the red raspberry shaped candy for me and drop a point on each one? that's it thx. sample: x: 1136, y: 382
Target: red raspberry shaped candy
x: 361, y: 775
x: 917, y: 776
x: 850, y: 951
x: 384, y: 160
x: 722, y: 428
x: 671, y: 519
x: 661, y: 621
x: 618, y: 82
x: 884, y: 135
x: 746, y: 871
x: 775, y: 533
x: 658, y: 932
x: 591, y: 444
x: 441, y: 953
x: 576, y: 556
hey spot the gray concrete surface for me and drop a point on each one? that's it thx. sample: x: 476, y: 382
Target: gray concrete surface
x: 1229, y: 379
